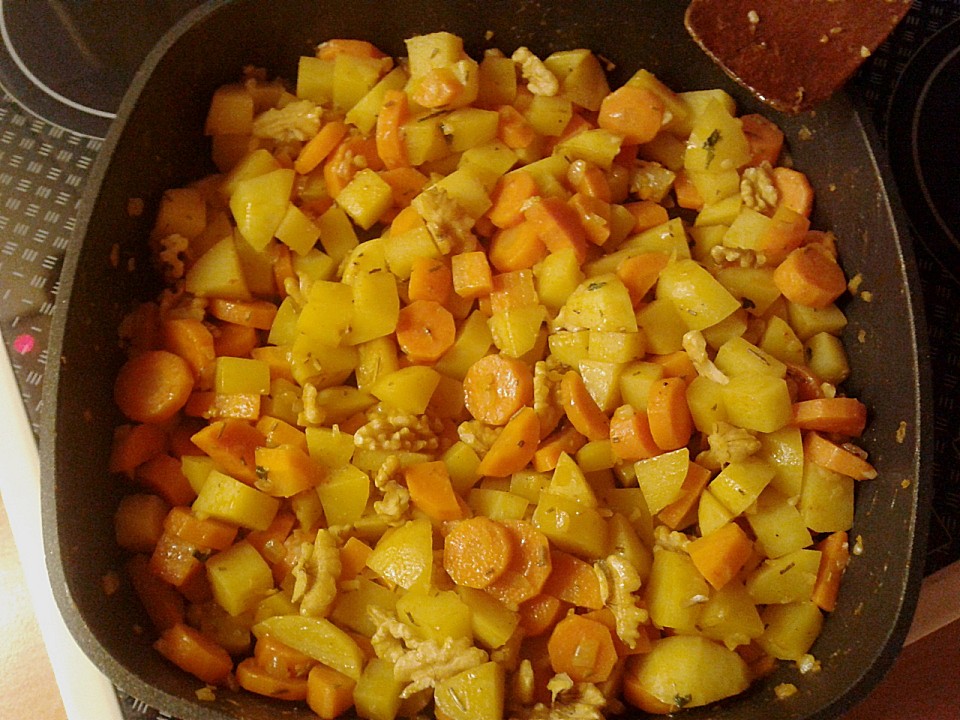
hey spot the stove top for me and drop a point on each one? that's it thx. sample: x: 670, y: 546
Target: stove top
x: 65, y: 64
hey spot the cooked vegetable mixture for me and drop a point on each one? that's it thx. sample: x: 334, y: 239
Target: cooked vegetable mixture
x: 483, y: 391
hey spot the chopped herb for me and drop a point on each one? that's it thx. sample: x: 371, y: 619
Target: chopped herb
x: 681, y: 700
x: 595, y: 285
x: 710, y: 145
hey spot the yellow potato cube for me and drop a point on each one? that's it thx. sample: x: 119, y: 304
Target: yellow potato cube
x: 777, y: 525
x: 376, y: 307
x: 231, y: 111
x: 315, y: 79
x: 739, y: 484
x: 218, y: 273
x: 475, y: 694
x: 788, y: 578
x: 377, y: 694
x: 731, y: 617
x: 598, y: 303
x: 224, y: 498
x: 234, y: 375
x: 826, y: 499
x: 408, y: 389
x: 326, y: 316
x: 364, y: 112
x: 498, y: 81
x: 353, y: 78
x: 239, y: 578
x: 435, y: 615
x: 259, y: 204
x: 549, y: 115
x: 661, y: 477
x: 317, y: 638
x: 783, y: 450
x: 740, y: 357
x: 700, y: 300
x: 497, y: 504
x: 473, y: 341
x: 337, y: 234
x: 675, y: 591
x: 344, y: 494
x: 366, y: 198
x: 582, y: 78
x: 571, y: 525
x: 790, y: 629
x: 297, y: 231
x: 716, y: 141
x: 757, y: 401
x: 404, y: 556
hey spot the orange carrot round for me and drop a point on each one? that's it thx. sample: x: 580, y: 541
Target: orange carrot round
x: 514, y: 447
x: 153, y: 386
x: 252, y: 677
x: 389, y: 133
x: 821, y: 451
x: 583, y: 649
x: 425, y: 330
x: 671, y: 424
x: 430, y: 279
x: 630, y: 435
x: 810, y: 276
x: 529, y: 566
x: 195, y: 653
x: 581, y: 409
x: 764, y: 138
x: 634, y: 112
x: 477, y: 551
x: 841, y: 415
x: 249, y: 313
x: 496, y: 387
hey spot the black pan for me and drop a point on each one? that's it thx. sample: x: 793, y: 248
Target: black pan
x: 157, y: 143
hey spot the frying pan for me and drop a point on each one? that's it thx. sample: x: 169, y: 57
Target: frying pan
x: 157, y: 143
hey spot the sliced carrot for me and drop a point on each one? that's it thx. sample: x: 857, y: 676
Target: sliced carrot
x: 671, y: 424
x: 175, y: 561
x: 232, y: 444
x: 682, y: 512
x: 764, y: 138
x: 164, y: 605
x: 280, y: 660
x: 269, y: 542
x: 676, y: 364
x: 248, y: 313
x: 405, y: 182
x: 329, y: 692
x: 207, y: 533
x: 574, y: 581
x: 431, y: 490
x: 634, y: 112
x: 721, y: 554
x: 430, y: 279
x: 583, y: 649
x: 477, y: 551
x: 630, y: 436
x: 153, y: 386
x: 513, y: 129
x: 834, y: 556
x: 514, y: 447
x: 841, y: 415
x: 133, y: 445
x: 807, y: 385
x: 540, y: 613
x: 407, y: 219
x: 594, y: 215
x: 163, y: 475
x: 283, y: 268
x: 825, y: 453
x: 516, y: 248
x: 472, y: 277
x: 787, y: 232
x: 353, y: 558
x: 647, y: 214
x: 529, y: 567
x: 794, y: 189
x: 565, y: 440
x: 235, y: 340
x: 190, y: 339
x: 316, y: 150
x: 639, y: 273
x: 605, y: 616
x: 195, y: 653
x: 810, y: 276
x: 425, y: 330
x: 496, y: 387
x: 330, y: 49
x: 253, y: 678
x: 439, y: 87
x: 511, y: 192
x: 353, y: 152
x: 581, y: 409
x: 513, y: 289
x: 593, y: 182
x: 394, y: 112
x: 280, y: 432
x: 558, y: 225
x: 286, y: 470
x: 686, y: 193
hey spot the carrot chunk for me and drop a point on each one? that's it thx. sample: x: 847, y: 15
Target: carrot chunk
x: 634, y: 112
x: 810, y: 276
x: 477, y: 551
x: 495, y: 387
x: 153, y: 386
x: 581, y: 409
x: 195, y: 653
x: 514, y: 447
x: 425, y: 330
x: 671, y: 424
x: 583, y: 649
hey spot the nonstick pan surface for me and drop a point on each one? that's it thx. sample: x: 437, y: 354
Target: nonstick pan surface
x: 157, y: 143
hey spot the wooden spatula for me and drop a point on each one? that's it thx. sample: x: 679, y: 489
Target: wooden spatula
x: 792, y: 54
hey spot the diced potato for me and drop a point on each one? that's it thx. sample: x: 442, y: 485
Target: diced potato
x: 493, y: 623
x: 351, y: 608
x: 218, y: 273
x: 705, y: 400
x: 571, y: 525
x: 497, y: 504
x: 731, y: 617
x: 436, y: 615
x: 668, y: 673
x: 790, y: 629
x: 225, y: 498
x: 581, y: 76
x: 344, y: 494
x: 700, y: 300
x: 675, y: 591
x: 408, y: 389
x: 476, y: 694
x: 788, y: 578
x: 239, y: 578
x: 716, y: 141
x: 404, y: 556
x: 661, y: 477
x: 783, y: 450
x: 366, y: 198
x: 662, y: 326
x: 826, y: 358
x: 826, y: 499
x: 602, y: 380
x: 757, y: 402
x: 777, y: 524
x: 259, y: 204
x: 740, y: 357
x: 317, y: 638
x: 740, y: 483
x: 599, y: 303
x: 230, y: 112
